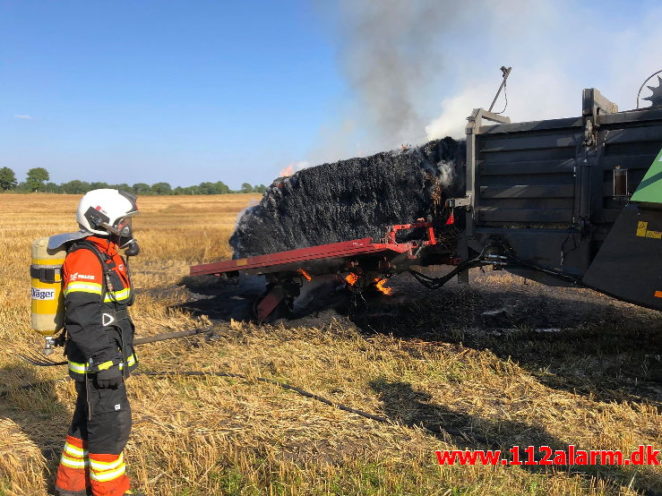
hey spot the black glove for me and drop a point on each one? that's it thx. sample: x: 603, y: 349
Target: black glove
x: 110, y: 378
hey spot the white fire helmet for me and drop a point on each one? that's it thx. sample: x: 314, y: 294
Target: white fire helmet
x: 107, y: 211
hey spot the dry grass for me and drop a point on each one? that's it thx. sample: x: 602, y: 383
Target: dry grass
x: 215, y: 436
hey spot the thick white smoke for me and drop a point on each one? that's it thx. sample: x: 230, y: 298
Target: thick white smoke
x: 555, y: 54
x: 390, y: 48
x: 418, y: 67
x: 446, y: 173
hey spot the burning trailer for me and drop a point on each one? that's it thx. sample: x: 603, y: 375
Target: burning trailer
x: 573, y: 201
x: 344, y: 219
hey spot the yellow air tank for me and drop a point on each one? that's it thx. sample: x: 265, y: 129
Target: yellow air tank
x: 47, y: 299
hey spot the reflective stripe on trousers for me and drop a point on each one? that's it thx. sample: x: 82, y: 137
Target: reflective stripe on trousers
x: 108, y: 475
x: 71, y: 473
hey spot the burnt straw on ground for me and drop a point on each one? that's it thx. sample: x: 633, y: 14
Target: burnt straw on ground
x: 349, y: 199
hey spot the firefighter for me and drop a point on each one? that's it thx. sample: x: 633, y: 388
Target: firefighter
x: 97, y: 291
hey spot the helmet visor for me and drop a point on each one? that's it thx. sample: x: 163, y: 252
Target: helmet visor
x: 124, y: 226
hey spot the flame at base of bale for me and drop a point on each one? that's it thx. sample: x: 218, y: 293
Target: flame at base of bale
x: 380, y: 285
x: 353, y: 279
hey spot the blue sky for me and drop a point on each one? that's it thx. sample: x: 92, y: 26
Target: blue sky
x: 162, y: 90
x: 201, y: 90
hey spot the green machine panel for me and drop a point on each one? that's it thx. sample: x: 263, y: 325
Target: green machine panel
x: 650, y: 188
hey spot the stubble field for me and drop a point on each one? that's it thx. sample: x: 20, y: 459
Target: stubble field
x: 444, y: 379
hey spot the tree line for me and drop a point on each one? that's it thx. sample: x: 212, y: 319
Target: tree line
x: 37, y: 179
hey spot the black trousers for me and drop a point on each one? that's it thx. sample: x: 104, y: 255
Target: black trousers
x: 102, y: 418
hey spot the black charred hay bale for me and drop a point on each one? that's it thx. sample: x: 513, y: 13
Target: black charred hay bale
x: 350, y: 199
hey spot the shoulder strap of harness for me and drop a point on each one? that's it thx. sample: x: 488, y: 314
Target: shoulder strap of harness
x: 106, y: 285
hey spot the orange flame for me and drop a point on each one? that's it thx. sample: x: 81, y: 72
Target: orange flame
x: 351, y: 278
x: 292, y: 168
x: 380, y: 284
x: 305, y: 274
x: 286, y: 171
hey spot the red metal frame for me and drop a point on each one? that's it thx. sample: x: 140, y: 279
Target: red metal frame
x: 392, y: 233
x: 343, y: 249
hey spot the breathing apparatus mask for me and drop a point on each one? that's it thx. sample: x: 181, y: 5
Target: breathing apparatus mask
x: 121, y: 233
x: 125, y: 239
